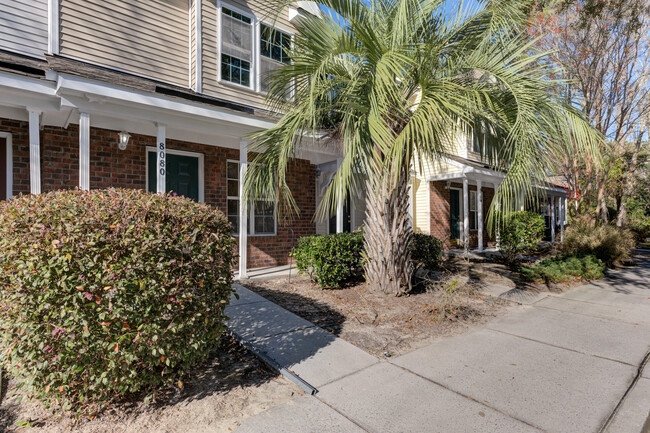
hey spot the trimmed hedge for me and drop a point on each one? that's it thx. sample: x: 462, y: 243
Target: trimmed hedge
x: 330, y: 260
x: 565, y: 268
x: 426, y: 252
x: 336, y: 259
x: 109, y: 292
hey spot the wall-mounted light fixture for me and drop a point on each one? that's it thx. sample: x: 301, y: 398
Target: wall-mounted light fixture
x: 124, y: 140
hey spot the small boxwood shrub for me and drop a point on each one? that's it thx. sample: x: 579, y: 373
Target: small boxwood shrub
x: 519, y: 234
x: 565, y: 268
x: 426, y: 251
x: 608, y: 243
x: 330, y: 260
x: 109, y: 292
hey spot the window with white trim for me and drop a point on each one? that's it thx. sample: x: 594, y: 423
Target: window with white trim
x: 274, y: 47
x: 236, y: 47
x: 473, y: 212
x: 261, y: 216
x: 232, y: 175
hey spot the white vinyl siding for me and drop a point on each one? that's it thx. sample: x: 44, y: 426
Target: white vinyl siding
x: 23, y: 27
x: 148, y: 38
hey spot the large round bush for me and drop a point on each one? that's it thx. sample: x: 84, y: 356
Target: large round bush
x: 519, y: 234
x: 109, y: 292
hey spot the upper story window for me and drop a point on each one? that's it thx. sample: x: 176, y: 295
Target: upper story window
x: 473, y: 143
x: 236, y: 47
x: 274, y: 47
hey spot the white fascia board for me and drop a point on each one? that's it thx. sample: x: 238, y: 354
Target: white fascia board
x: 34, y: 85
x: 28, y: 92
x: 311, y: 7
x: 102, y: 91
x: 560, y: 192
x: 446, y: 176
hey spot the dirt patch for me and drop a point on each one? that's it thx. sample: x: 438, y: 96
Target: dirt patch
x: 231, y: 386
x: 385, y: 325
x: 492, y: 273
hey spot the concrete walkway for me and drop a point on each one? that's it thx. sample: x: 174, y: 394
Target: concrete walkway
x: 561, y: 364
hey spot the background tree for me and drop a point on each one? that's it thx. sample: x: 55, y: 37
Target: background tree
x: 392, y: 82
x: 604, y: 48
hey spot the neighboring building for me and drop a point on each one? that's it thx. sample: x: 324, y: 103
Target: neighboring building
x: 156, y: 95
x: 450, y: 198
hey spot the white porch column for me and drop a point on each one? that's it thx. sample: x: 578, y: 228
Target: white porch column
x: 161, y: 159
x: 34, y: 152
x: 465, y: 213
x: 341, y: 203
x: 563, y: 210
x: 497, y: 232
x: 243, y: 211
x: 552, y: 219
x: 84, y: 151
x: 522, y: 201
x: 479, y: 212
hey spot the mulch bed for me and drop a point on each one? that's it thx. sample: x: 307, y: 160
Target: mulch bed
x: 385, y: 325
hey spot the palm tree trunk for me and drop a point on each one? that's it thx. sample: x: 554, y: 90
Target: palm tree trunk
x: 388, y: 234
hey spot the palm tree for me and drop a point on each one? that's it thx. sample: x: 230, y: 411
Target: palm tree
x: 392, y: 82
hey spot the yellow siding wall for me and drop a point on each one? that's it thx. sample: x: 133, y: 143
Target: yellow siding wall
x: 148, y: 38
x: 420, y: 206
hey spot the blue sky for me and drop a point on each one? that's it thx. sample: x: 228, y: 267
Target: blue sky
x: 450, y: 6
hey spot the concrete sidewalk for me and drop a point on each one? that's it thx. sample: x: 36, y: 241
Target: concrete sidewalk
x: 561, y: 364
x: 294, y: 346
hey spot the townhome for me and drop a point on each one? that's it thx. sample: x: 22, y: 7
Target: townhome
x: 157, y: 95
x: 450, y: 197
x: 162, y: 94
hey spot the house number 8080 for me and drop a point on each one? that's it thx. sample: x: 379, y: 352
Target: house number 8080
x: 161, y: 158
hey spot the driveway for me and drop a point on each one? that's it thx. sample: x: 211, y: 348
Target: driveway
x: 562, y: 364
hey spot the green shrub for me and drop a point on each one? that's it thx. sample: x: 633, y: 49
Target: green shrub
x: 426, y: 251
x: 608, y: 243
x: 565, y: 268
x: 519, y: 234
x: 330, y: 260
x: 109, y: 292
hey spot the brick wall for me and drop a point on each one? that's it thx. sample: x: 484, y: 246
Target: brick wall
x: 111, y: 167
x: 440, y: 218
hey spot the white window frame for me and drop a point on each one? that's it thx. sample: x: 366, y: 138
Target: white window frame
x: 254, y: 46
x: 10, y: 163
x: 251, y: 208
x: 259, y: 48
x: 473, y: 214
x: 199, y: 156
